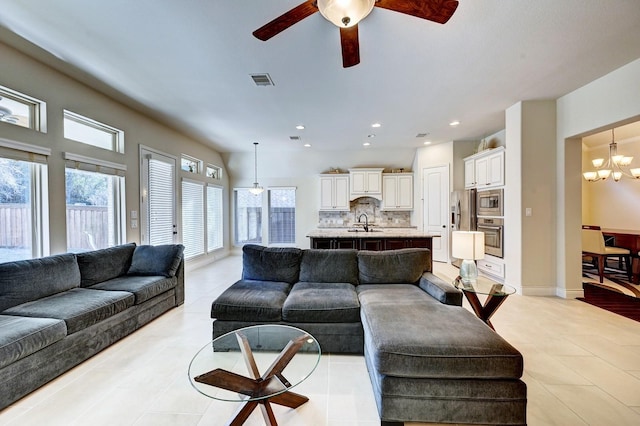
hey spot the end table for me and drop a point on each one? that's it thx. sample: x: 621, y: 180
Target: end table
x: 496, y: 295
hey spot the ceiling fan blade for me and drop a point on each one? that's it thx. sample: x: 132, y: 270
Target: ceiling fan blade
x: 350, y: 46
x: 434, y: 10
x: 286, y: 20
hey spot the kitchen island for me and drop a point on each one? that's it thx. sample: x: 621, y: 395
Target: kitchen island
x: 373, y: 239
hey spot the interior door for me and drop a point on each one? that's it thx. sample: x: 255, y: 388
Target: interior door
x: 436, y: 209
x: 158, y: 224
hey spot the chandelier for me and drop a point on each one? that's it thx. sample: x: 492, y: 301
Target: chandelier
x: 255, y: 189
x: 616, y: 165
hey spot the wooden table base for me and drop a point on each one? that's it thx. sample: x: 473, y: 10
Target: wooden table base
x: 259, y: 388
x: 484, y: 312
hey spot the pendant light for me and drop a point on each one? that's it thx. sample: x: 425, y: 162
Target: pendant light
x: 256, y: 189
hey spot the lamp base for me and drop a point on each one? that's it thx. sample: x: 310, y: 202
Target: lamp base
x: 468, y: 271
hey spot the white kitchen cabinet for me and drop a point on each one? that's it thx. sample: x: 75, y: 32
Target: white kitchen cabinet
x: 484, y: 169
x: 366, y: 183
x: 397, y: 191
x: 492, y: 267
x: 470, y: 173
x: 334, y: 192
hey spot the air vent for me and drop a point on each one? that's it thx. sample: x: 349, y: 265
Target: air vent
x: 422, y: 135
x: 295, y: 138
x: 262, y: 79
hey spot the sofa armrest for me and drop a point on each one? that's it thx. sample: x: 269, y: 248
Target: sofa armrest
x: 440, y: 290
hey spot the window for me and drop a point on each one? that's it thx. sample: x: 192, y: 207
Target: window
x: 22, y: 110
x: 24, y: 219
x: 95, y: 204
x: 214, y: 218
x: 91, y: 132
x: 192, y: 218
x: 282, y: 216
x: 214, y: 172
x: 190, y: 164
x: 248, y: 217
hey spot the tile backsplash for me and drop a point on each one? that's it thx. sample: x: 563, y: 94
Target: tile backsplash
x: 369, y: 206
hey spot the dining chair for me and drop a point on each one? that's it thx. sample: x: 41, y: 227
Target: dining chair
x: 593, y: 245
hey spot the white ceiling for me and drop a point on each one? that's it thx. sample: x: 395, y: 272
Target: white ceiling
x: 188, y: 62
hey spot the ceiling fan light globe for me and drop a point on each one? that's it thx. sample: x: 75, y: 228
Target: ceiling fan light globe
x: 345, y: 13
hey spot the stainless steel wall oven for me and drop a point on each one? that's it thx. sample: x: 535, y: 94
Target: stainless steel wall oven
x: 493, y: 229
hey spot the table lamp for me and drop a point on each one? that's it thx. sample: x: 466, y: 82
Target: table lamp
x: 468, y: 246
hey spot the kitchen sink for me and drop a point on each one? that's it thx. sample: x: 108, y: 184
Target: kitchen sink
x: 362, y: 230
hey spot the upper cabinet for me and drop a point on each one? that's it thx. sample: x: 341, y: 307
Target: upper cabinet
x: 334, y: 192
x: 366, y: 183
x: 484, y: 169
x: 397, y: 190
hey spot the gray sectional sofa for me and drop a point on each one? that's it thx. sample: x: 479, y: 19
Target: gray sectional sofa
x: 429, y: 359
x: 58, y: 311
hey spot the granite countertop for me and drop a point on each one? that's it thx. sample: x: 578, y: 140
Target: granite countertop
x: 376, y: 233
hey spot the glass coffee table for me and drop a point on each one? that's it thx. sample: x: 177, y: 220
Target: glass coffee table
x: 496, y: 294
x: 256, y: 365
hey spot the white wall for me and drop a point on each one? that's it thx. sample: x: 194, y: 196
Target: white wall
x: 21, y: 73
x: 530, y: 184
x: 610, y: 100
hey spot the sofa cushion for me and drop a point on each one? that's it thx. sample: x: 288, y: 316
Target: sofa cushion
x: 101, y: 265
x: 322, y: 302
x: 26, y: 280
x: 251, y: 300
x: 22, y: 336
x: 329, y: 266
x: 271, y: 263
x: 79, y: 307
x: 143, y: 287
x: 393, y: 266
x: 432, y: 340
x: 162, y: 260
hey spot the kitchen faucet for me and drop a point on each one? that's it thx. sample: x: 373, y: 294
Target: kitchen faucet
x: 366, y: 221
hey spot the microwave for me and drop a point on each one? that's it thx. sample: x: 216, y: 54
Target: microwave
x: 490, y: 202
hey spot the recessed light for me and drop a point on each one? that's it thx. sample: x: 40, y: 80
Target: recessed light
x: 300, y: 127
x: 427, y: 142
x: 371, y: 135
x: 376, y: 125
x: 307, y: 145
x: 366, y: 144
x: 454, y: 123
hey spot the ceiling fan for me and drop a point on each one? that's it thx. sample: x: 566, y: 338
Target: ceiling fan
x: 347, y: 13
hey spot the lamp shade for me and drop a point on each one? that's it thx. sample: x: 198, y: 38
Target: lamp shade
x: 467, y: 245
x: 345, y: 13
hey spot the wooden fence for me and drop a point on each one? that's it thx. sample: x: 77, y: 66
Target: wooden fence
x: 87, y: 227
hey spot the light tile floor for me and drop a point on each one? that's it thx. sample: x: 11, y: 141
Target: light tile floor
x: 582, y: 367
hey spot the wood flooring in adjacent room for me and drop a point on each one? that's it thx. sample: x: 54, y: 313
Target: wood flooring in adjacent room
x: 582, y: 367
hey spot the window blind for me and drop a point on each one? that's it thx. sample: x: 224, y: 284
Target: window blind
x: 214, y: 217
x: 161, y: 196
x: 192, y: 218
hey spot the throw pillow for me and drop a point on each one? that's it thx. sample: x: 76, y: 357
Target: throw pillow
x: 162, y: 260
